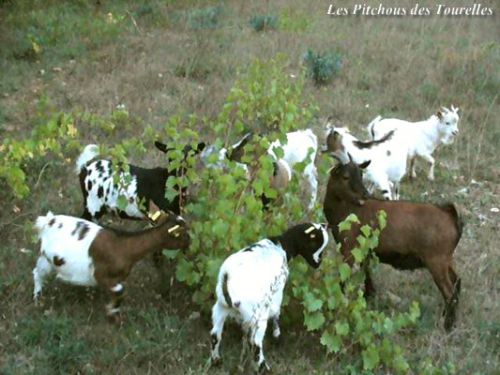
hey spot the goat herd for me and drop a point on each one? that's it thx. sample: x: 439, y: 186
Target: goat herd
x: 251, y: 281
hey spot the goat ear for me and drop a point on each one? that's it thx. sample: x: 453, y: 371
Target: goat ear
x: 364, y: 164
x: 237, y: 150
x: 439, y: 114
x: 161, y: 146
x: 200, y: 147
x: 454, y: 109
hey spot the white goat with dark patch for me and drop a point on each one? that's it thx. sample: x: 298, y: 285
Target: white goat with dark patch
x: 421, y: 138
x: 83, y: 253
x: 138, y: 186
x: 300, y: 145
x: 251, y: 282
x: 388, y: 159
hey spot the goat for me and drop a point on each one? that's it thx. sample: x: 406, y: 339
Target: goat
x: 421, y: 138
x: 101, y: 193
x: 300, y: 145
x: 250, y: 284
x: 84, y: 253
x: 417, y: 234
x: 388, y: 158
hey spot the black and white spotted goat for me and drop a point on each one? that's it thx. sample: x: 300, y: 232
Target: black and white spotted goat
x: 139, y: 186
x: 251, y: 282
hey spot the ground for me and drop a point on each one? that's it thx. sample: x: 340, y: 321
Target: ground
x: 152, y: 58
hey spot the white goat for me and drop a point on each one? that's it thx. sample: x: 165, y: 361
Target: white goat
x: 251, y: 282
x: 388, y: 159
x: 81, y: 252
x: 421, y: 138
x: 300, y: 145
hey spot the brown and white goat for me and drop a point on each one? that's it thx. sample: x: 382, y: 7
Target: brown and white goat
x: 417, y: 234
x: 83, y: 253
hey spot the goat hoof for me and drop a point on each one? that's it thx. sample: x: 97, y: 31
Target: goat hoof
x: 448, y: 324
x: 264, y: 368
x: 115, y: 319
x: 215, y: 362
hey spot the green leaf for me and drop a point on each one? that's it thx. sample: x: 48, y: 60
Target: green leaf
x: 342, y: 328
x: 314, y: 304
x: 362, y: 241
x: 366, y: 230
x: 122, y: 202
x: 314, y: 321
x: 370, y: 357
x: 388, y: 325
x: 358, y: 255
x: 332, y: 342
x: 347, y: 223
x: 382, y: 219
x: 345, y: 271
x: 170, y: 254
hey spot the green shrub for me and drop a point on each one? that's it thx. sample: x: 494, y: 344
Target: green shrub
x: 264, y: 22
x: 204, y: 18
x: 56, y: 136
x: 227, y: 215
x: 342, y: 314
x: 323, y: 67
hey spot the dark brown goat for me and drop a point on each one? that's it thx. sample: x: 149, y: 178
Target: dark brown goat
x: 417, y: 235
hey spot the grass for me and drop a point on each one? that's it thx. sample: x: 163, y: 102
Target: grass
x: 161, y: 58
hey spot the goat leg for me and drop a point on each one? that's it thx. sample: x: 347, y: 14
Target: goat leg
x: 113, y: 309
x: 450, y: 309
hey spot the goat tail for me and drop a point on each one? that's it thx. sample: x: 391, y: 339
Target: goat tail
x: 225, y: 292
x: 372, y: 124
x: 42, y: 221
x: 88, y: 153
x: 282, y: 174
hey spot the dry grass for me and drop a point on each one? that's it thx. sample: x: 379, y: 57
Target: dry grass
x: 406, y: 67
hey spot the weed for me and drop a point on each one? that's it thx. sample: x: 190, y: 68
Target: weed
x: 323, y: 67
x: 204, y: 18
x: 264, y: 22
x: 294, y: 20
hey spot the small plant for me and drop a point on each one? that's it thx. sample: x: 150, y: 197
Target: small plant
x: 323, y: 67
x: 204, y: 18
x: 294, y: 21
x: 264, y: 22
